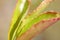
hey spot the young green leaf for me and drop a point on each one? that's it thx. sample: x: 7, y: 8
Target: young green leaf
x: 19, y: 13
x: 28, y: 22
x: 37, y: 29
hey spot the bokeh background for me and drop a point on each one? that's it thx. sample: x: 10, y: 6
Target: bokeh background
x: 6, y: 11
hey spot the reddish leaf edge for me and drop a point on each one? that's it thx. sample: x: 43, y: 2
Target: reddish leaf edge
x: 54, y: 20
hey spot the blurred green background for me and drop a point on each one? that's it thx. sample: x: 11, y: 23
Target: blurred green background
x: 6, y: 11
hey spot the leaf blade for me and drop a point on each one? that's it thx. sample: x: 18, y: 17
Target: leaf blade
x: 18, y: 16
x: 45, y: 16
